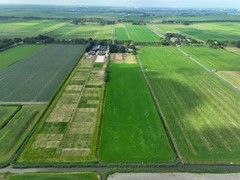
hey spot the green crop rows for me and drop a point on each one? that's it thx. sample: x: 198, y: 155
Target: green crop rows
x: 39, y: 76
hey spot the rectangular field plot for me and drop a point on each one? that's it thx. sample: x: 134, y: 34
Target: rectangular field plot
x: 55, y: 176
x: 140, y: 33
x: 16, y: 54
x: 217, y: 59
x: 26, y: 28
x: 121, y: 33
x: 69, y: 133
x: 18, y: 122
x: 83, y: 31
x: 40, y: 75
x: 201, y: 112
x: 131, y: 129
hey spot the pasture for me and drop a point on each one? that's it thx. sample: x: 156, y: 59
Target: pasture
x: 232, y: 77
x: 55, y: 176
x: 21, y: 29
x: 16, y: 124
x: 13, y: 55
x: 218, y: 59
x: 69, y: 133
x: 131, y: 129
x: 203, y: 31
x: 140, y: 33
x: 121, y: 33
x: 200, y: 111
x: 38, y: 77
x: 82, y: 31
x: 165, y: 59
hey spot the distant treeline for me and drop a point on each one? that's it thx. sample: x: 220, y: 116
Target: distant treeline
x: 192, y: 22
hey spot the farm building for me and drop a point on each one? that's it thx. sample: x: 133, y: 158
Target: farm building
x: 99, y: 48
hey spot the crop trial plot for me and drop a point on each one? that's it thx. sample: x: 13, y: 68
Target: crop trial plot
x: 38, y: 77
x: 70, y: 132
x: 200, y: 110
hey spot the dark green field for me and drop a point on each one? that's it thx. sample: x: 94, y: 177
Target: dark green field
x: 38, y: 77
x: 55, y: 176
x: 131, y: 130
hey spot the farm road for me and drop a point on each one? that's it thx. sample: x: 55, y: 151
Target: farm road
x: 209, y: 70
x: 102, y: 169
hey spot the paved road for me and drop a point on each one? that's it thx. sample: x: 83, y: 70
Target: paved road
x: 173, y: 176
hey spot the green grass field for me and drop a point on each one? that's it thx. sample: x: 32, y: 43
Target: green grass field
x: 165, y: 58
x: 200, y: 110
x: 82, y: 31
x: 55, y: 176
x: 218, y: 59
x: 26, y: 28
x: 131, y: 131
x: 140, y: 33
x: 69, y: 131
x: 16, y: 54
x: 20, y: 122
x: 203, y: 31
x: 40, y: 75
x: 232, y: 77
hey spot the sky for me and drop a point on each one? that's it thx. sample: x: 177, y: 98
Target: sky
x: 136, y: 3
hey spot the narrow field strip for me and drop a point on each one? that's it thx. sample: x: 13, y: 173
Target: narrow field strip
x: 70, y: 132
x: 131, y: 131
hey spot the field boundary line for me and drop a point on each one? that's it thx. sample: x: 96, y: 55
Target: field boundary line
x: 159, y: 111
x: 155, y: 32
x: 209, y: 70
x: 23, y: 103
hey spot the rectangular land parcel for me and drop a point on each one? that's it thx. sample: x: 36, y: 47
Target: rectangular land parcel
x: 69, y: 131
x: 201, y: 111
x: 131, y: 129
x: 38, y: 77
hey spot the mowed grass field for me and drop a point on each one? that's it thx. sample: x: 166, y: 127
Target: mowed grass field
x: 37, y: 77
x: 13, y: 55
x: 221, y: 31
x: 232, y: 77
x: 121, y: 33
x: 21, y: 29
x: 218, y: 59
x: 69, y: 131
x: 54, y: 176
x: 131, y: 128
x: 201, y: 111
x: 16, y: 122
x: 140, y: 33
x: 83, y: 31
